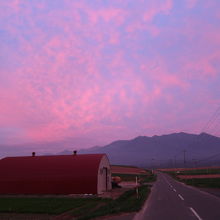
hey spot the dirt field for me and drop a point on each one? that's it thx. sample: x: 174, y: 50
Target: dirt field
x: 128, y: 170
x: 184, y: 169
x: 205, y: 176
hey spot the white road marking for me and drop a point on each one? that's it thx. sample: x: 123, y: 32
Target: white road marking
x: 170, y: 185
x: 195, y: 213
x: 180, y: 197
x: 167, y: 181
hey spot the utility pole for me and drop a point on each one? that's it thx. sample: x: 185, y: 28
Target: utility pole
x: 194, y: 162
x: 175, y: 161
x: 153, y: 164
x: 184, y: 158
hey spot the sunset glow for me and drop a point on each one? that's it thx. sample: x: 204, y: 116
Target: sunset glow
x: 101, y: 70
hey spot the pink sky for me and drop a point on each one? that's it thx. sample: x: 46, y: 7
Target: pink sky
x: 101, y: 70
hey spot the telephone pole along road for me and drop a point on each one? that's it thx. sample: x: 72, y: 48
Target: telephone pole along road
x: 171, y: 199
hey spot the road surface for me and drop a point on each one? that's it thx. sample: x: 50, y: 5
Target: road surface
x: 172, y: 200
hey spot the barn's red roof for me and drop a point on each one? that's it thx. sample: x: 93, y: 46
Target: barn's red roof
x: 50, y: 174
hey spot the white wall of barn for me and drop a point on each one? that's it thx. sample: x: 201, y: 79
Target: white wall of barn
x: 104, y: 176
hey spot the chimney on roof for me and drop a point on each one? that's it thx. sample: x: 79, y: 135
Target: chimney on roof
x: 74, y: 152
x: 33, y: 154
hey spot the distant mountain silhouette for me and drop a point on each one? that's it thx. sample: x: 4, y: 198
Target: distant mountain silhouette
x: 156, y: 151
x: 163, y: 151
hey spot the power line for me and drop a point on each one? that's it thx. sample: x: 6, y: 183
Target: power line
x: 184, y: 158
x: 209, y: 158
x: 208, y: 124
x: 215, y: 130
x: 212, y: 119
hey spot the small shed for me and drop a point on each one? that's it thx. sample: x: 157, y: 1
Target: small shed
x: 63, y: 174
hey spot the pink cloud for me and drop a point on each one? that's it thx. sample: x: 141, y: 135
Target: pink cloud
x: 191, y: 3
x: 158, y: 70
x: 116, y: 15
x: 149, y: 11
x: 84, y: 71
x: 202, y: 67
x: 153, y: 9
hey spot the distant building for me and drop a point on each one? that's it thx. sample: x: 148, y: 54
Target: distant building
x: 64, y: 174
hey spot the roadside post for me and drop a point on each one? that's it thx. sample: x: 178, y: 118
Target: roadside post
x: 137, y: 193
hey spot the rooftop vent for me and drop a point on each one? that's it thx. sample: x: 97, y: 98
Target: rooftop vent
x: 33, y: 154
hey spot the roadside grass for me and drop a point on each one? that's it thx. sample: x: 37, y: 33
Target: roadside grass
x: 150, y: 178
x: 80, y: 208
x: 43, y: 205
x: 88, y: 208
x: 127, y: 202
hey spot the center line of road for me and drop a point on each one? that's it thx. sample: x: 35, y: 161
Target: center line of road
x: 167, y: 182
x: 180, y: 197
x: 195, y: 213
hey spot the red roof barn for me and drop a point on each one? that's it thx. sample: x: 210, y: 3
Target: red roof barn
x: 64, y: 174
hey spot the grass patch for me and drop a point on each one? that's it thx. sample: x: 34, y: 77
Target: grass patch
x: 88, y: 207
x: 150, y: 178
x: 82, y: 208
x: 207, y: 183
x: 43, y: 205
x: 128, y: 202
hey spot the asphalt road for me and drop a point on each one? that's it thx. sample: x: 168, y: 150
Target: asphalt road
x: 172, y: 200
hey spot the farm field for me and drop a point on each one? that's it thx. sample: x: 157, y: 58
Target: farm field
x: 203, y: 182
x: 199, y: 176
x: 127, y: 170
x: 205, y: 177
x: 129, y: 174
x: 192, y: 169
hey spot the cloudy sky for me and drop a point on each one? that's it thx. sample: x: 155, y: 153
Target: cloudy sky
x: 96, y: 71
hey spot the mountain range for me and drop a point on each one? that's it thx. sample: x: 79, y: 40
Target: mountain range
x: 172, y: 150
